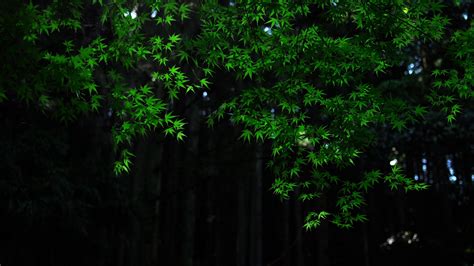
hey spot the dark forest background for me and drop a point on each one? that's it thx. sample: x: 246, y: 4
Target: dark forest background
x: 207, y: 200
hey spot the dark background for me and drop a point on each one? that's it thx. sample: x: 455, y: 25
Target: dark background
x: 61, y: 205
x: 207, y: 201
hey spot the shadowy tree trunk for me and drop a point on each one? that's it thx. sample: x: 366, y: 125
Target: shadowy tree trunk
x: 190, y: 172
x: 298, y: 213
x: 256, y: 217
x: 323, y: 237
x: 242, y: 221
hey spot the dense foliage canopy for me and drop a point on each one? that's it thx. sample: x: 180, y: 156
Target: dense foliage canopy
x: 317, y: 80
